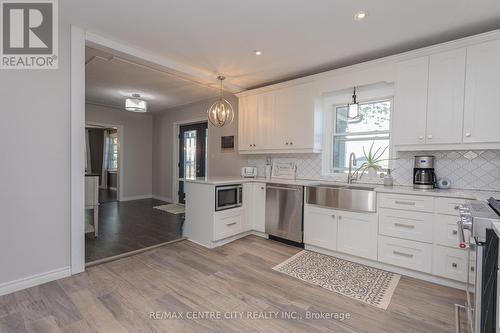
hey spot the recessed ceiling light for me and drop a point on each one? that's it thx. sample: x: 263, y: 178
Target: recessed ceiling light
x: 360, y: 15
x: 257, y: 52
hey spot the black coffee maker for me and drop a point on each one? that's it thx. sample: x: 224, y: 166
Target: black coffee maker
x: 424, y: 176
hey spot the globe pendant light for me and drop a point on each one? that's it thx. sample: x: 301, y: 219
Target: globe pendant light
x: 353, y: 108
x: 221, y: 112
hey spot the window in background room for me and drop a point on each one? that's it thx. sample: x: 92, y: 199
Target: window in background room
x: 113, y: 152
x: 370, y: 127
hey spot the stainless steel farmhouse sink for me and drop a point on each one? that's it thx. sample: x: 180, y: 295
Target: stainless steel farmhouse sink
x: 345, y: 197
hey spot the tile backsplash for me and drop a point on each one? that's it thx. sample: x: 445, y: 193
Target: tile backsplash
x: 468, y: 169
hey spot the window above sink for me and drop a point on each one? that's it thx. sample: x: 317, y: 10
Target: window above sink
x: 371, y: 129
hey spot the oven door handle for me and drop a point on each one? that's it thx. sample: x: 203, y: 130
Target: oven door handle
x: 463, y: 224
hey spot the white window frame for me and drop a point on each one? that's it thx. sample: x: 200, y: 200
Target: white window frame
x: 376, y: 92
x: 367, y: 135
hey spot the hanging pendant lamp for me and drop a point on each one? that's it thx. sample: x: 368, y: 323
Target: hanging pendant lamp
x: 353, y: 108
x: 221, y: 112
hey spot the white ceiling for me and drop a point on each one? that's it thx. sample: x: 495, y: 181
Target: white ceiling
x: 109, y: 79
x: 297, y: 37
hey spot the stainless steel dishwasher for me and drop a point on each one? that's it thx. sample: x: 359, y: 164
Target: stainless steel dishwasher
x: 284, y: 211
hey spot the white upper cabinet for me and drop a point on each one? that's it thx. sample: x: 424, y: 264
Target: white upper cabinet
x: 247, y: 108
x: 409, y: 119
x: 446, y: 97
x: 255, y: 121
x: 294, y: 126
x: 280, y: 120
x: 482, y: 91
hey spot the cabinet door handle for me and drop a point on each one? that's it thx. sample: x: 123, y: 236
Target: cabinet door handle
x: 421, y: 137
x: 454, y: 265
x: 291, y: 143
x: 457, y: 207
x: 229, y: 224
x: 472, y: 269
x: 429, y: 136
x: 402, y: 254
x: 286, y: 143
x: 455, y: 232
x: 408, y: 226
x: 408, y: 203
x: 333, y: 216
x: 467, y: 134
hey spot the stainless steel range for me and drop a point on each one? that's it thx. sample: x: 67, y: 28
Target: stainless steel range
x: 477, y: 217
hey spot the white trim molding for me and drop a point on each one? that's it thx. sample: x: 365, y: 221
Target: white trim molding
x: 137, y: 197
x: 34, y: 280
x: 77, y: 186
x: 166, y: 199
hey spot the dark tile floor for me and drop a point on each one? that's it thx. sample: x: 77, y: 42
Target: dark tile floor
x: 130, y: 225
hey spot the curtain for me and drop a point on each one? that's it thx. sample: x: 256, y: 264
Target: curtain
x: 88, y: 163
x: 105, y: 159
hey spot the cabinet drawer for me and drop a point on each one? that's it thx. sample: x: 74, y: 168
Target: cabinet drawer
x: 228, y: 223
x: 407, y: 202
x: 406, y: 224
x: 448, y: 206
x: 446, y: 230
x: 405, y: 253
x: 450, y: 263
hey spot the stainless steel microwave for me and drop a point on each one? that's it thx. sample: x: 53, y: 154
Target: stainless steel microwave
x: 228, y: 196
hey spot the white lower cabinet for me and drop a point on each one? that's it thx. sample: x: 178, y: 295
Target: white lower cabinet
x: 357, y: 234
x: 320, y: 227
x: 229, y: 223
x: 451, y: 263
x: 409, y: 254
x: 254, y: 203
x: 259, y: 207
x: 446, y: 230
x: 418, y: 233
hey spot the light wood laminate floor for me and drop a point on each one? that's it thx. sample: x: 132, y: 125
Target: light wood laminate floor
x: 119, y: 296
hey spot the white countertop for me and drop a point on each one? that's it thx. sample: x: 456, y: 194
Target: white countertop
x: 451, y: 193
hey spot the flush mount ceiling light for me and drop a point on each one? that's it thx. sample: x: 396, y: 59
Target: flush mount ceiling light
x: 353, y: 108
x: 258, y: 52
x: 221, y: 112
x: 360, y: 15
x: 135, y: 104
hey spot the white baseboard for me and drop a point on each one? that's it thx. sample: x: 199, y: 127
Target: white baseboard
x: 159, y: 197
x: 34, y: 280
x: 137, y: 197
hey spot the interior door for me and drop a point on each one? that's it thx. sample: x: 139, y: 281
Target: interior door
x: 192, y: 153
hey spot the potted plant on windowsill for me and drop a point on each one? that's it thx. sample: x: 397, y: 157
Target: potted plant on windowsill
x: 371, y: 165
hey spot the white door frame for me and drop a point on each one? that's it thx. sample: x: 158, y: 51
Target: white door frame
x: 121, y: 143
x: 79, y: 39
x: 175, y: 157
x: 77, y: 125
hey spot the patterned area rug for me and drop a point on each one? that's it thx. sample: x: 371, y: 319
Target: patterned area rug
x: 366, y: 284
x: 172, y: 208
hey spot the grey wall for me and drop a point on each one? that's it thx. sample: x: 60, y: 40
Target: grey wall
x: 35, y: 168
x: 136, y: 143
x: 219, y: 162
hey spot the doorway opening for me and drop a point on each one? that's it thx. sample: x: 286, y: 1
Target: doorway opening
x: 192, y: 163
